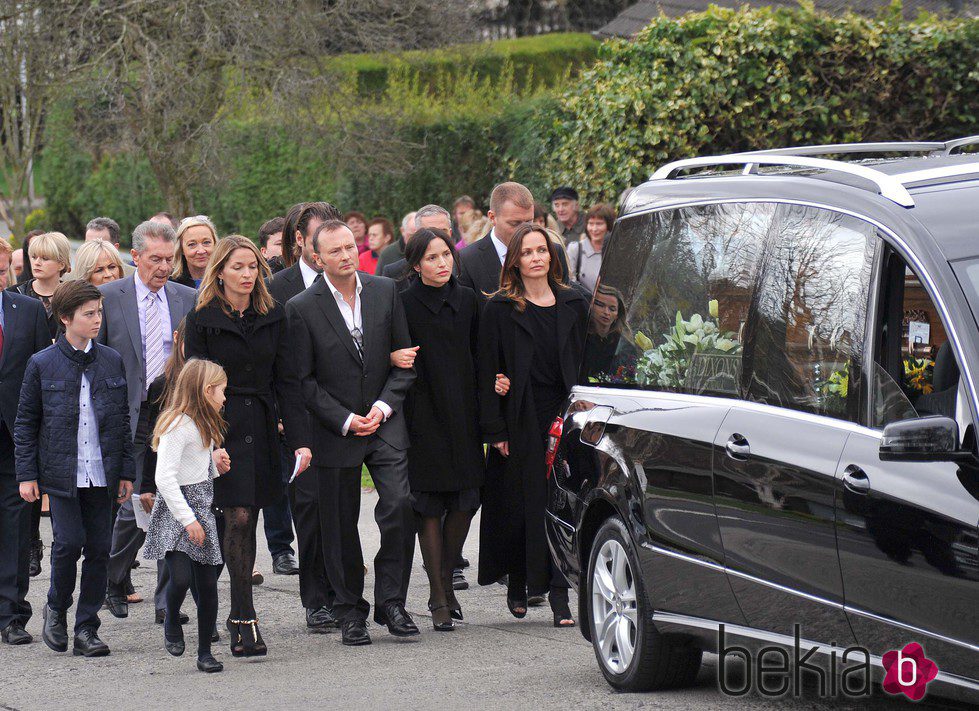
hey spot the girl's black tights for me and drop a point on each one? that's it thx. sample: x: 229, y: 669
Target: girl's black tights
x: 184, y: 574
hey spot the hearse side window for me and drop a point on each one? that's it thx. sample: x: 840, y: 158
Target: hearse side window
x: 916, y: 372
x: 803, y: 346
x: 673, y: 298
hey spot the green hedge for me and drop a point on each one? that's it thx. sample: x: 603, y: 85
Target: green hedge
x: 727, y: 80
x: 546, y: 57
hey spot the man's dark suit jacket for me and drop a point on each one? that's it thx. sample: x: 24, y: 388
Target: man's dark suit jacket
x: 287, y: 283
x: 480, y: 267
x: 25, y: 332
x: 335, y: 381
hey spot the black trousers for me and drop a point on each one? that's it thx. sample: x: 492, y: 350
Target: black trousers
x: 15, y: 539
x: 82, y: 525
x: 277, y: 517
x: 315, y: 589
x: 127, y: 537
x: 339, y: 501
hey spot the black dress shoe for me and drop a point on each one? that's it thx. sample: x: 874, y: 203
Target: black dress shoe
x: 161, y: 615
x: 117, y: 605
x: 320, y: 619
x: 285, y: 564
x: 208, y: 664
x: 55, y: 630
x: 37, y: 553
x: 88, y: 644
x: 397, y: 619
x: 459, y: 581
x: 14, y: 633
x: 355, y: 633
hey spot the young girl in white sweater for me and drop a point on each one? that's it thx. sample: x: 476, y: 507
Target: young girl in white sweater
x: 182, y: 528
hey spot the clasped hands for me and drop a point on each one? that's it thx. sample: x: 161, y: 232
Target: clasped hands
x: 367, y: 425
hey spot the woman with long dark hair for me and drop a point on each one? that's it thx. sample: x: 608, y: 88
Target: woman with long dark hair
x: 532, y: 330
x: 445, y: 461
x: 239, y: 326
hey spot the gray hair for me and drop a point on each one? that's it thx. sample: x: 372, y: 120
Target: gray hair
x: 430, y: 211
x: 407, y: 220
x: 104, y: 223
x: 152, y: 230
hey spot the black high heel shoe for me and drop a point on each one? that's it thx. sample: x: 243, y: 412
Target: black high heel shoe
x: 254, y: 645
x: 237, y: 643
x: 517, y: 603
x: 560, y: 608
x: 445, y: 626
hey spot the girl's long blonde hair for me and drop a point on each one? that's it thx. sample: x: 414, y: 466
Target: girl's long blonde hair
x: 188, y: 398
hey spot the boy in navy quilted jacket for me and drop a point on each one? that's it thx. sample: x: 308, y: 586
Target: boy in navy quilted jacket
x: 72, y: 442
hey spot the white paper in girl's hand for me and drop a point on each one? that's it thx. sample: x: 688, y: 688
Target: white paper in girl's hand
x: 295, y: 469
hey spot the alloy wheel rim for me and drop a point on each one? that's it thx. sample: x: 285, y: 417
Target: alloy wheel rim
x: 614, y: 609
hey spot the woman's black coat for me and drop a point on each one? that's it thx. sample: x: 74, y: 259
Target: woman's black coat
x: 258, y: 367
x: 446, y: 452
x: 514, y: 494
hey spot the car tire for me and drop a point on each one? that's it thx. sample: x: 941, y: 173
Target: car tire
x: 631, y: 653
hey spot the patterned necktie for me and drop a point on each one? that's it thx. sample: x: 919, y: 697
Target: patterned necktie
x: 155, y: 356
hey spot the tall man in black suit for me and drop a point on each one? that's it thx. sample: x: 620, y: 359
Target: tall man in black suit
x: 343, y: 329
x: 303, y: 500
x: 141, y: 312
x: 23, y: 332
x: 511, y: 205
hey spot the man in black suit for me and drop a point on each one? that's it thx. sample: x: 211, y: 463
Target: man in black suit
x: 23, y: 332
x: 314, y: 585
x: 511, y: 205
x: 343, y: 329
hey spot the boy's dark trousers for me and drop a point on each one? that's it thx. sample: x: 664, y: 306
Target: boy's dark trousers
x: 81, y: 525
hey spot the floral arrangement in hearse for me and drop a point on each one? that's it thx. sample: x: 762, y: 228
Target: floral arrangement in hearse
x: 696, y: 340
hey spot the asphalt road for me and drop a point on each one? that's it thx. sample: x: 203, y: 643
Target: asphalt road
x: 491, y: 661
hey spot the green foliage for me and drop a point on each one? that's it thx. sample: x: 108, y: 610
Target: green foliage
x: 36, y: 220
x: 727, y: 80
x: 548, y: 56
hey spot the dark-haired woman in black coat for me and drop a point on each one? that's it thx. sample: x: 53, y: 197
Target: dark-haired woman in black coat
x: 533, y: 330
x: 445, y: 461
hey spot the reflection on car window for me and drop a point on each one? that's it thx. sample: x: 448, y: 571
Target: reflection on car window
x: 679, y: 312
x: 807, y: 332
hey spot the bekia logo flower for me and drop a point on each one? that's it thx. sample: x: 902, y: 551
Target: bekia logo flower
x: 908, y: 671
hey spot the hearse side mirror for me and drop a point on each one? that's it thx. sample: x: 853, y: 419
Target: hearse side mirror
x: 923, y: 439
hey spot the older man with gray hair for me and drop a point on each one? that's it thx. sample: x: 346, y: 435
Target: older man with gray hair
x: 141, y: 313
x: 428, y: 217
x: 396, y: 250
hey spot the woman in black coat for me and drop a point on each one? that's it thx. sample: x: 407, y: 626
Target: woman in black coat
x: 238, y: 325
x: 533, y: 330
x: 445, y: 461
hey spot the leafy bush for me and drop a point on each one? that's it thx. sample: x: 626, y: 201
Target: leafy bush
x: 36, y: 220
x: 544, y: 56
x: 728, y: 80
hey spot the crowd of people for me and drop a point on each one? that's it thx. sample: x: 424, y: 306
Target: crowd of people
x: 163, y: 405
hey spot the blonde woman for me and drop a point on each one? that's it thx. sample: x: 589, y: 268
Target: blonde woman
x: 98, y: 262
x: 196, y: 237
x: 50, y: 256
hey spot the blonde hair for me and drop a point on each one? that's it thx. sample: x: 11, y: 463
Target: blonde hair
x: 52, y: 245
x: 189, y: 398
x: 6, y: 247
x: 180, y: 261
x: 87, y: 257
x: 211, y: 290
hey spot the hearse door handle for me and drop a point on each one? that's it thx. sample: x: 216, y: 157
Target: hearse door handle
x: 737, y: 447
x: 855, y: 480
